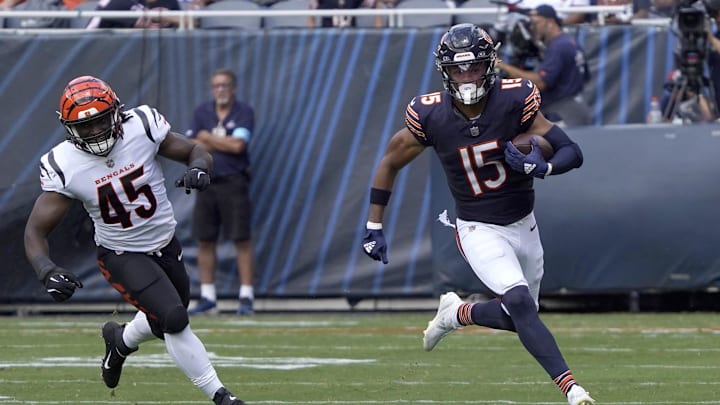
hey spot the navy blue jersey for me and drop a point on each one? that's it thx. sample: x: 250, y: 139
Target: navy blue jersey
x: 562, y: 69
x: 239, y: 123
x: 472, y: 151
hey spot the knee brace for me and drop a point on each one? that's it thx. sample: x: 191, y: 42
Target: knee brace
x: 175, y: 320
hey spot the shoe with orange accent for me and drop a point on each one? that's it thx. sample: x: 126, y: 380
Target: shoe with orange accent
x: 578, y: 396
x: 445, y: 320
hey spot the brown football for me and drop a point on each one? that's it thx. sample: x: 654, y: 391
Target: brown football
x: 522, y: 142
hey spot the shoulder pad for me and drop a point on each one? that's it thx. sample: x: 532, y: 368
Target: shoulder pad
x: 525, y: 95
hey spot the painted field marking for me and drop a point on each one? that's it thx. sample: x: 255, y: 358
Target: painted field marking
x: 164, y: 361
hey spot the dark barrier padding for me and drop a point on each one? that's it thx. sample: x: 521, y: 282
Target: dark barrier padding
x: 327, y: 102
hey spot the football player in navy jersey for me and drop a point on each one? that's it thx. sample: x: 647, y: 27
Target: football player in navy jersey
x: 470, y: 125
x: 109, y: 162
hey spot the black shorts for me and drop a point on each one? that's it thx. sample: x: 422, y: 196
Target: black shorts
x: 154, y: 283
x: 224, y: 205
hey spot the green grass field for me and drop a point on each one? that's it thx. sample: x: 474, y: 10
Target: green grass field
x: 371, y: 359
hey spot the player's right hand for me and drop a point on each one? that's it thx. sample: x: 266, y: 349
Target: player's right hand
x: 61, y: 284
x: 374, y: 245
x: 194, y: 178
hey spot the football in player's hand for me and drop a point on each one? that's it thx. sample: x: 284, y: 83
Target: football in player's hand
x: 522, y: 142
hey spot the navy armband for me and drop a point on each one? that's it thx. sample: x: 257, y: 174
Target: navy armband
x: 379, y: 197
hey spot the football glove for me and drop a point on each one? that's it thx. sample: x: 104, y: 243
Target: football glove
x: 61, y: 284
x: 532, y: 164
x: 374, y: 245
x: 194, y: 177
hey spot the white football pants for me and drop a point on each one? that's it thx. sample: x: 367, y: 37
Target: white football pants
x: 503, y: 257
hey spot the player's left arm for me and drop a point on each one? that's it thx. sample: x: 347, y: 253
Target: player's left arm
x: 567, y: 154
x: 181, y: 149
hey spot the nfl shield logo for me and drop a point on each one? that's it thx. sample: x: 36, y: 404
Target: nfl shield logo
x: 474, y: 131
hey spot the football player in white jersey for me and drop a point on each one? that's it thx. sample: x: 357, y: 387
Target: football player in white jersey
x: 109, y: 163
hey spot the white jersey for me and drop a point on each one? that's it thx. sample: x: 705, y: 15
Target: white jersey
x: 124, y: 193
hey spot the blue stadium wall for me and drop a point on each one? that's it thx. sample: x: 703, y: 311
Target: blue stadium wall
x: 641, y: 214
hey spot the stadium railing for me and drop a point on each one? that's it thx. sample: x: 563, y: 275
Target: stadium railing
x: 395, y: 16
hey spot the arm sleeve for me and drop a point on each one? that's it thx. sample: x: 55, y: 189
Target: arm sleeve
x: 567, y: 155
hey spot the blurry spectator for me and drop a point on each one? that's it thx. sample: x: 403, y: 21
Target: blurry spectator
x: 8, y: 4
x: 640, y: 9
x: 686, y: 102
x: 566, y: 18
x: 381, y: 21
x: 39, y: 5
x: 562, y: 71
x: 71, y: 4
x: 338, y: 21
x: 142, y: 22
x: 662, y: 8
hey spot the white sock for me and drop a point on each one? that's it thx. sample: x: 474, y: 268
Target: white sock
x: 208, y: 291
x: 246, y: 291
x: 137, y: 331
x: 188, y: 353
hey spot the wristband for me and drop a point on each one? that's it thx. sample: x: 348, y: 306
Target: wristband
x: 373, y: 226
x: 379, y: 197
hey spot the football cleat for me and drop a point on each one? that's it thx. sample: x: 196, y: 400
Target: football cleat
x: 225, y: 397
x: 245, y: 307
x: 204, y: 306
x: 115, y: 353
x: 578, y: 396
x: 444, y: 322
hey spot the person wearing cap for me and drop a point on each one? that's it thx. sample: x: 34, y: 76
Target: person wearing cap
x: 562, y: 71
x: 567, y: 17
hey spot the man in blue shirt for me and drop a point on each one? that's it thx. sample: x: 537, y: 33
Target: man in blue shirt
x: 224, y: 126
x: 561, y: 73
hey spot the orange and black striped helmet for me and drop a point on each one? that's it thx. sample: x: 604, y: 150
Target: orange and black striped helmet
x: 90, y: 112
